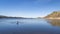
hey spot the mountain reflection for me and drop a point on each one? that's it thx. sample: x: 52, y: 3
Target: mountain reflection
x: 54, y: 22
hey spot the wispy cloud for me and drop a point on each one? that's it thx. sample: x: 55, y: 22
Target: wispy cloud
x: 42, y: 1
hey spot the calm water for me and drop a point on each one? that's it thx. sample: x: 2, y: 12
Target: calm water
x: 29, y: 26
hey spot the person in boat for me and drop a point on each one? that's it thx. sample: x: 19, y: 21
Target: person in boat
x: 17, y: 22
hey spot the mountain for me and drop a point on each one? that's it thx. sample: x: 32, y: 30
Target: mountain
x: 10, y: 17
x: 55, y: 14
x: 1, y: 16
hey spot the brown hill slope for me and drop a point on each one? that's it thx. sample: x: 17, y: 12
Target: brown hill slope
x: 55, y: 14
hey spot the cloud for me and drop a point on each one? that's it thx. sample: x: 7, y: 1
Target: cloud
x: 42, y: 1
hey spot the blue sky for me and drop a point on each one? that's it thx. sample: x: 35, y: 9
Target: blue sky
x: 28, y: 8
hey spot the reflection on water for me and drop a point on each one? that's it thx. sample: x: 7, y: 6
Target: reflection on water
x: 29, y: 26
x: 54, y: 22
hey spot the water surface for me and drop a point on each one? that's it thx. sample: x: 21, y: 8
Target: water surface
x: 29, y: 26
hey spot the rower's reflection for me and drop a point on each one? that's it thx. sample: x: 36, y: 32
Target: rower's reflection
x: 17, y: 22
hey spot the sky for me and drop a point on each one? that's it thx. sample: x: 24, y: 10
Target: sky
x: 28, y: 8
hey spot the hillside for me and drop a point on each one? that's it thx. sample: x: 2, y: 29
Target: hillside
x: 55, y: 14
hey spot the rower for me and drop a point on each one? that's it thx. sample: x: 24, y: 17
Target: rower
x: 17, y: 22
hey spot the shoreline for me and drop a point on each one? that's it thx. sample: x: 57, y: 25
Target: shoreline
x: 52, y: 18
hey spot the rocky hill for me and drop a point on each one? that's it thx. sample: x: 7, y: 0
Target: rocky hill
x: 55, y: 14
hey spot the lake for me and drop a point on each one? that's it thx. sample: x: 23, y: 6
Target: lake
x: 29, y: 26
